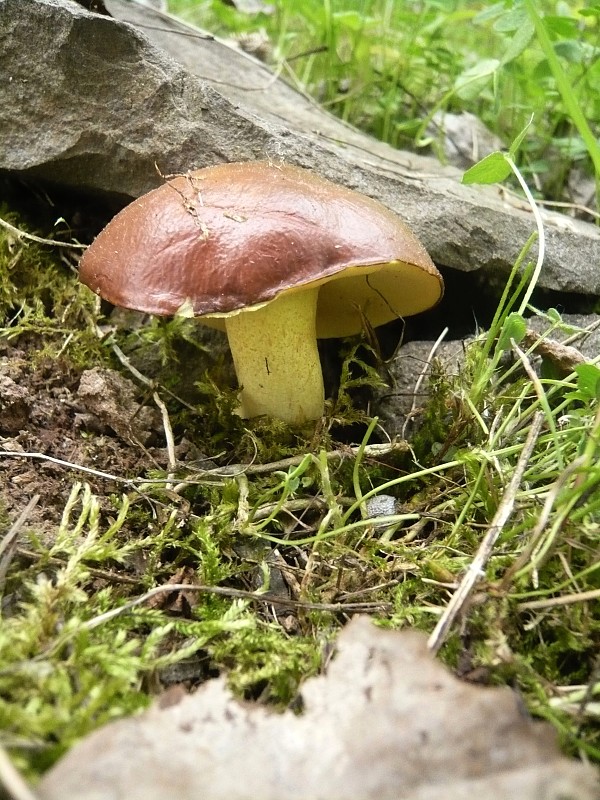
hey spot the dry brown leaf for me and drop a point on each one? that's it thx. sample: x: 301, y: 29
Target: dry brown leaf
x: 563, y: 357
x: 386, y: 721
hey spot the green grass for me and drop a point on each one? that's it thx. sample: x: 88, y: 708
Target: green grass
x: 388, y: 66
x: 82, y: 640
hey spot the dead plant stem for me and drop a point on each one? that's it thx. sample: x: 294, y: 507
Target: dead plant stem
x: 476, y: 568
x: 8, y: 545
x: 19, y: 234
x: 564, y: 600
x: 12, y: 780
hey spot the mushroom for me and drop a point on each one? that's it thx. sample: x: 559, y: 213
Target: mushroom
x: 274, y: 255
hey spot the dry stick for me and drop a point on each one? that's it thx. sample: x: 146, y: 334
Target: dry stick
x: 229, y: 471
x: 476, y: 568
x: 224, y: 591
x: 371, y: 451
x: 78, y: 467
x: 12, y: 781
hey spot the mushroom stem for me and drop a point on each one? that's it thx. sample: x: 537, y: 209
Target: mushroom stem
x: 276, y: 359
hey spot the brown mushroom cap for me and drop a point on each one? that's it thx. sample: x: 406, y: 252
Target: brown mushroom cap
x: 236, y: 236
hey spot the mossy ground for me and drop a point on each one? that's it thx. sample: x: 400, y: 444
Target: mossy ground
x: 270, y: 531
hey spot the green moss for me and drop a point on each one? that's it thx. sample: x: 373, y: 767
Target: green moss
x: 40, y: 302
x: 265, y: 662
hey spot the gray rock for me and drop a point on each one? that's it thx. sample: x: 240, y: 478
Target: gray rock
x: 95, y: 104
x: 386, y: 721
x: 463, y: 139
x: 101, y: 108
x: 400, y: 407
x: 159, y: 5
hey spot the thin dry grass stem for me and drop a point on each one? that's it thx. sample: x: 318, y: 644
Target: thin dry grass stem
x: 233, y: 470
x: 242, y: 594
x: 370, y: 451
x: 229, y: 471
x: 243, y: 510
x: 583, y: 334
x: 567, y: 569
x: 541, y: 394
x: 77, y: 467
x: 476, y: 568
x: 573, y: 206
x: 538, y: 532
x: 12, y: 781
x: 563, y: 600
x: 19, y: 234
x: 517, y: 201
x: 421, y: 378
x: 8, y: 545
x: 168, y: 438
x: 310, y: 570
x: 370, y: 589
x: 145, y: 380
x: 299, y: 504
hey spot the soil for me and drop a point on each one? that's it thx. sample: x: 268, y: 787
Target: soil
x: 91, y: 419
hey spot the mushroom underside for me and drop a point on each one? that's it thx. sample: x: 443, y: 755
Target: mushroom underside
x: 274, y: 344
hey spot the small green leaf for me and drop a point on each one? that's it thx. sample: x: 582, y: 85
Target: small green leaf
x: 554, y: 315
x: 519, y: 138
x: 588, y: 381
x: 489, y: 13
x: 491, y: 169
x: 292, y: 484
x: 512, y: 20
x: 522, y: 36
x: 515, y: 328
x: 472, y: 81
x: 571, y: 51
x: 561, y: 26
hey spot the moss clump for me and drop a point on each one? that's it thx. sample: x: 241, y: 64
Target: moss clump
x: 41, y: 304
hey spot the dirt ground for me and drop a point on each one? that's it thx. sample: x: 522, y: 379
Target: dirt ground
x: 51, y: 412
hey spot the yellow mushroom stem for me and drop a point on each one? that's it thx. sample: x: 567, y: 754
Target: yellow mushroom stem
x: 274, y: 349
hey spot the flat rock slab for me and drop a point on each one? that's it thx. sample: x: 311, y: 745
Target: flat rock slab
x: 100, y: 104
